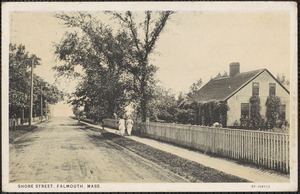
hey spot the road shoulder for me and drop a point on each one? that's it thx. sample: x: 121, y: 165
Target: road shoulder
x: 220, y: 164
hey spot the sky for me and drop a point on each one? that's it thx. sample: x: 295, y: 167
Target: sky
x: 61, y: 109
x: 203, y: 44
x: 193, y: 45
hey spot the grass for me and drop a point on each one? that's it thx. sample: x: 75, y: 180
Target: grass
x: 192, y: 171
x: 18, y: 131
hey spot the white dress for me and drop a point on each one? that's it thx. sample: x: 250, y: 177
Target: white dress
x: 122, y: 126
x: 129, y: 124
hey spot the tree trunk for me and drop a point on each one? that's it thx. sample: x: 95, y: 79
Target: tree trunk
x: 143, y: 100
x: 144, y: 110
x: 144, y: 106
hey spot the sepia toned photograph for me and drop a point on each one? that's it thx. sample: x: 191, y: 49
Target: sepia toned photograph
x: 149, y: 96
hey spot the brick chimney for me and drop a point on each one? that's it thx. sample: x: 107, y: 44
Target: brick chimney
x: 234, y: 69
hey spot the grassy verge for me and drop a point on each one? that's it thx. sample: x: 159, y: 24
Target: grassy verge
x: 18, y: 131
x: 238, y: 161
x: 192, y: 171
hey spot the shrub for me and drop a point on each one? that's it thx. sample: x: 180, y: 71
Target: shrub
x: 273, y: 105
x: 255, y: 117
x: 186, y: 116
x: 223, y: 113
x: 212, y: 112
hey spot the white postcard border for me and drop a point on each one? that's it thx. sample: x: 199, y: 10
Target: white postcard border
x: 290, y: 7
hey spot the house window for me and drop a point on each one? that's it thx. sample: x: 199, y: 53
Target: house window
x: 272, y: 89
x: 255, y: 89
x: 282, y: 112
x: 245, y: 110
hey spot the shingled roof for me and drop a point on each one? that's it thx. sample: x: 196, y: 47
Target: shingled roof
x: 220, y: 89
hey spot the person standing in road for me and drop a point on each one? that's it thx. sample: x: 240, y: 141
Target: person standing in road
x: 129, y: 125
x: 121, y: 123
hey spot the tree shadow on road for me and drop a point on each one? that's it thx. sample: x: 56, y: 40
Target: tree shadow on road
x: 193, y: 171
x: 73, y: 124
x: 105, y: 139
x: 19, y: 131
x: 22, y: 143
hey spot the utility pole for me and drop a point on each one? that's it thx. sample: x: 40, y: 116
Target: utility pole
x: 22, y: 118
x: 31, y: 94
x: 41, y: 103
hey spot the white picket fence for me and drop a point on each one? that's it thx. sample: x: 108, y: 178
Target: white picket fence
x: 262, y: 148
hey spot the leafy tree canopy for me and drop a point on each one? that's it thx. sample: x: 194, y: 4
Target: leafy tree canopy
x: 120, y: 57
x: 283, y: 80
x: 20, y: 79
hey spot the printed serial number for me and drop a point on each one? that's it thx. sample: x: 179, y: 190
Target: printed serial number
x: 260, y: 186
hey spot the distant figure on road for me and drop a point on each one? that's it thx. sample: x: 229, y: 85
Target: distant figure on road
x: 129, y: 124
x: 121, y: 123
x: 102, y: 123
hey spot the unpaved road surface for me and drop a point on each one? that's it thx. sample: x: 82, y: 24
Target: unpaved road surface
x: 65, y: 151
x: 62, y: 151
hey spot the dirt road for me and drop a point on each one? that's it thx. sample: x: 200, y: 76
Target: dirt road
x: 61, y: 150
x: 65, y: 151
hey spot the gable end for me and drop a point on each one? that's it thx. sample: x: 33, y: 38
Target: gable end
x: 237, y: 90
x: 279, y: 82
x: 232, y: 94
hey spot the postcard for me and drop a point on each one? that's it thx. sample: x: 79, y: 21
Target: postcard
x: 149, y: 96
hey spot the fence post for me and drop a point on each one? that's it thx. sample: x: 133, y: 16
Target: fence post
x: 274, y: 148
x: 280, y: 153
x: 264, y: 149
x: 277, y: 152
x: 287, y: 154
x: 246, y: 146
x: 258, y: 148
x: 269, y: 150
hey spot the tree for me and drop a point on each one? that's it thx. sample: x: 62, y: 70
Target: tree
x: 19, y: 83
x: 19, y: 77
x: 186, y: 108
x: 124, y: 55
x: 282, y: 79
x: 46, y: 92
x: 101, y: 55
x: 219, y: 75
x: 195, y: 87
x: 144, y: 44
x: 187, y: 101
x: 163, y: 105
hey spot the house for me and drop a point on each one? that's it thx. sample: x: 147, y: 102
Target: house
x: 236, y: 90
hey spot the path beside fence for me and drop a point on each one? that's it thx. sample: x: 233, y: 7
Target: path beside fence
x: 261, y: 148
x: 224, y: 165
